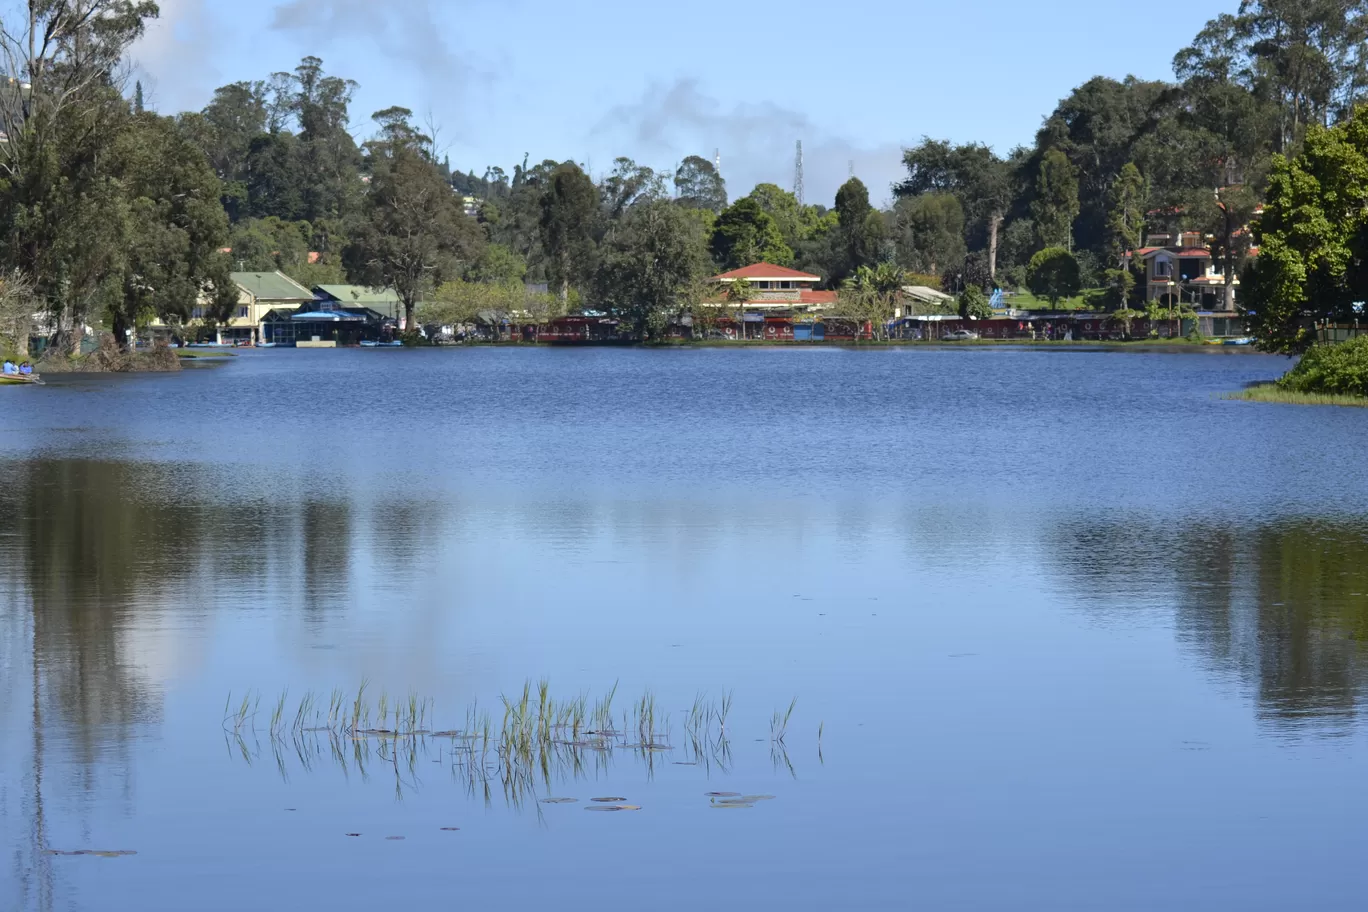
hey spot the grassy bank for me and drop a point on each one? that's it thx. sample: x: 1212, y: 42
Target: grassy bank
x: 1269, y: 392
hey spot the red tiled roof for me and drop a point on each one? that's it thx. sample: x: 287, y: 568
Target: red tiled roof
x: 1194, y: 252
x: 766, y: 271
x: 817, y: 297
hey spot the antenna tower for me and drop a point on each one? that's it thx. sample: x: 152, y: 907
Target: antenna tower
x: 717, y: 160
x: 798, y: 173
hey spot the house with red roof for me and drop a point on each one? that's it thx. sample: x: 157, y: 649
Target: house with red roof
x: 1179, y: 267
x: 777, y: 299
x: 773, y: 288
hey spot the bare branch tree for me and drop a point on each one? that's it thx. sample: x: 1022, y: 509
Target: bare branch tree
x: 18, y: 302
x: 53, y: 54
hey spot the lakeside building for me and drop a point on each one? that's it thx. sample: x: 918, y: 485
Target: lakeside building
x: 274, y: 309
x: 259, y: 293
x: 384, y: 301
x: 1181, y: 268
x: 335, y: 315
x: 322, y: 325
x: 772, y: 288
x: 924, y: 299
x: 1178, y: 263
x: 771, y: 292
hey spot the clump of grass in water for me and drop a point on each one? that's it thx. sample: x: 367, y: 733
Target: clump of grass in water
x: 779, y: 722
x: 722, y: 710
x: 538, y: 739
x: 1277, y: 395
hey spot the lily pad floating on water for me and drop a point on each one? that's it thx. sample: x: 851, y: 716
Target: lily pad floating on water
x: 607, y: 800
x: 612, y: 807
x: 724, y: 805
x: 563, y: 800
x: 98, y: 853
x: 722, y: 794
x: 394, y: 838
x: 351, y: 834
x: 748, y: 800
x: 448, y: 829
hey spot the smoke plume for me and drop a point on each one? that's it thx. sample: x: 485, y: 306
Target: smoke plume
x: 755, y: 141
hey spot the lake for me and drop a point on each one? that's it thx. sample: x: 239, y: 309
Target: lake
x: 1076, y: 632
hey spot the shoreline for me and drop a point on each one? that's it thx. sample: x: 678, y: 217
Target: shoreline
x: 1272, y: 394
x: 1152, y: 345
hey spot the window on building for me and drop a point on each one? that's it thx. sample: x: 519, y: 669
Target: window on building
x: 242, y: 312
x: 197, y: 313
x: 1163, y: 268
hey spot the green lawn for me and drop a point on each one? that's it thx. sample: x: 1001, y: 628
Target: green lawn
x: 1090, y: 299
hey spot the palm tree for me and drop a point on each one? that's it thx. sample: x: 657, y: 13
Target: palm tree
x: 737, y: 294
x: 870, y: 295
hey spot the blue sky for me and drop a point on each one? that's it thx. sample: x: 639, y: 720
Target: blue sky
x: 855, y: 80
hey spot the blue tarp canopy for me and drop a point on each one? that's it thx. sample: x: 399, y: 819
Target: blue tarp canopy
x: 329, y: 316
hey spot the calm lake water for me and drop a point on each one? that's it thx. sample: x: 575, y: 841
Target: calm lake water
x: 1078, y: 633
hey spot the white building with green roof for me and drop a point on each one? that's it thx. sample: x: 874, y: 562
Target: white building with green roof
x: 259, y: 293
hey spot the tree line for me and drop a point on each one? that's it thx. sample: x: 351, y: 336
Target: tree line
x: 116, y: 215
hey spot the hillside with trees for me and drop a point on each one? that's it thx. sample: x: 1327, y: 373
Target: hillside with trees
x: 114, y: 215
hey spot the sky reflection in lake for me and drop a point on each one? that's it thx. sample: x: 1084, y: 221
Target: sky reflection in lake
x: 1048, y: 670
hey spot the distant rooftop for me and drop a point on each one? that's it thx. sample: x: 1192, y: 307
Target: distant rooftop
x: 766, y: 271
x: 357, y: 294
x: 271, y: 286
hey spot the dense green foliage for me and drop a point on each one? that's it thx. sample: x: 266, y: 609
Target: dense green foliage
x: 1053, y: 274
x: 744, y: 234
x: 105, y: 213
x: 1313, y: 238
x: 973, y: 304
x: 569, y: 208
x: 652, y: 262
x: 1118, y: 159
x: 1340, y: 369
x: 411, y: 232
